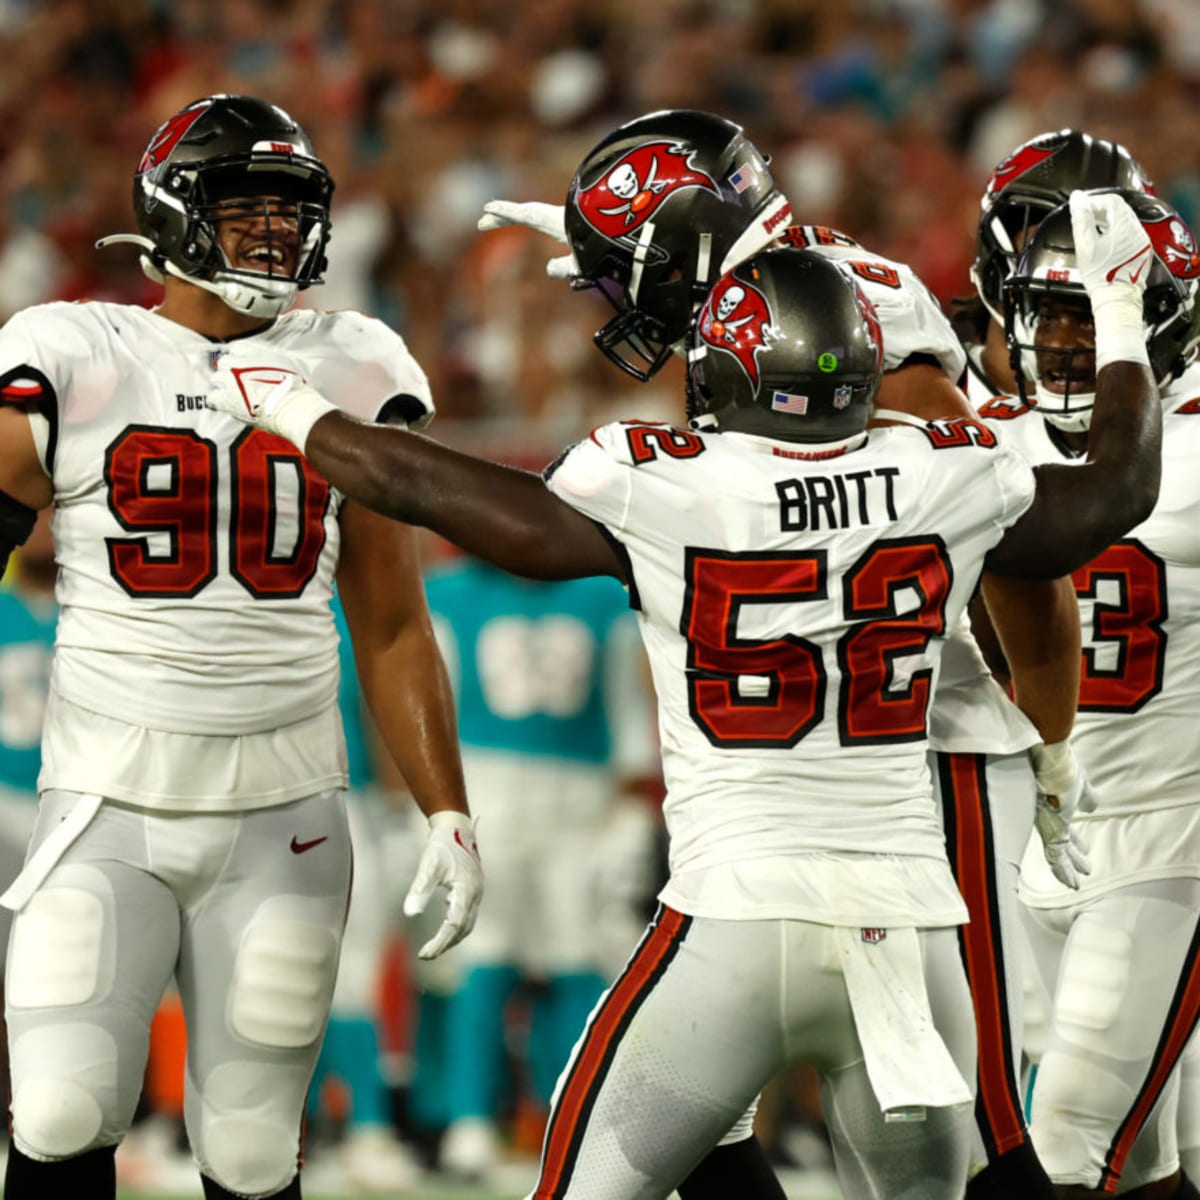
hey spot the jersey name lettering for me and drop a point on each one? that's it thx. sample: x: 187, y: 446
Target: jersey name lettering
x: 837, y: 501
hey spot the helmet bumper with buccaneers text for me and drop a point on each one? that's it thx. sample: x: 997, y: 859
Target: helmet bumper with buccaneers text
x: 1048, y: 317
x: 1035, y: 178
x: 785, y: 346
x: 655, y: 213
x: 233, y: 157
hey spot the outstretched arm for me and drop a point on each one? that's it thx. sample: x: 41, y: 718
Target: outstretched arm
x: 1079, y: 510
x: 504, y: 516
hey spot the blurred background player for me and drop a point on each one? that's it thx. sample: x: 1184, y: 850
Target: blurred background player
x: 351, y: 1095
x: 28, y: 614
x: 1119, y: 957
x: 556, y: 731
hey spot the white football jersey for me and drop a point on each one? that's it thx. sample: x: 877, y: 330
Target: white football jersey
x: 794, y: 608
x: 1139, y: 606
x: 909, y: 314
x: 196, y: 555
x: 971, y: 714
x: 979, y: 390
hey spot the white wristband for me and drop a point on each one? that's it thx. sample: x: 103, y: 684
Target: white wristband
x: 451, y: 818
x: 1054, y: 767
x: 296, y: 413
x: 1119, y: 325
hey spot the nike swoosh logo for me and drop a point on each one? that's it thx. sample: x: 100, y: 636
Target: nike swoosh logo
x: 1135, y: 275
x: 300, y: 847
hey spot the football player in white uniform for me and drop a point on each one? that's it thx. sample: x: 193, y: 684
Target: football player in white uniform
x: 1027, y: 184
x: 1120, y: 956
x: 707, y: 200
x: 191, y: 816
x: 795, y: 576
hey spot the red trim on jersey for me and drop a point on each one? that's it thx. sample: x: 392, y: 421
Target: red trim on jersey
x: 1181, y: 1021
x: 586, y: 1074
x: 998, y: 1101
x: 813, y: 455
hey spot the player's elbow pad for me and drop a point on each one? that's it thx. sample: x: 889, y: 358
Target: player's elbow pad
x: 16, y: 524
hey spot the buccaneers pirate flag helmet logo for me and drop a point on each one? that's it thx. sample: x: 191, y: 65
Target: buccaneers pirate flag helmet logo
x: 636, y: 186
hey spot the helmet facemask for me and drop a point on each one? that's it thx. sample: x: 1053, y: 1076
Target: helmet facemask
x: 1052, y: 342
x: 634, y: 340
x: 1048, y: 323
x: 282, y: 209
x: 230, y: 197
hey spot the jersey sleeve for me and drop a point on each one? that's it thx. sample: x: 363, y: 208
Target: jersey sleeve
x: 909, y: 314
x: 1016, y: 484
x: 37, y: 349
x: 594, y: 477
x: 370, y: 374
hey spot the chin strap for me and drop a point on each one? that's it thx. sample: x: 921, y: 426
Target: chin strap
x: 267, y: 299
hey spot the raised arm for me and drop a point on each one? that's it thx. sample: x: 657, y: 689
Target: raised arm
x: 1079, y: 510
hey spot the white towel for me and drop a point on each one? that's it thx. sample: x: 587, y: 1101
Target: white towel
x: 907, y: 1061
x: 44, y: 859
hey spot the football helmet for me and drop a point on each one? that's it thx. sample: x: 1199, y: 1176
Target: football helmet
x: 785, y: 346
x: 1036, y: 177
x: 656, y: 212
x: 1048, y: 322
x: 226, y: 157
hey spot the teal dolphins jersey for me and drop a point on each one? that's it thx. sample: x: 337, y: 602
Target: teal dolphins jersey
x: 26, y: 652
x: 532, y: 661
x: 350, y: 702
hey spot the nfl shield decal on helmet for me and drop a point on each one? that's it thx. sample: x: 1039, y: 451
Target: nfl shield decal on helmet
x: 737, y: 320
x: 636, y: 185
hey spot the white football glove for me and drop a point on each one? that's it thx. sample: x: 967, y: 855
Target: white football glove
x: 450, y: 860
x: 267, y: 388
x: 549, y: 219
x: 1063, y: 790
x: 1114, y: 255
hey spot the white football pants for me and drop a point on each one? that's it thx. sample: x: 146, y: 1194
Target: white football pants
x: 246, y: 911
x: 704, y: 1014
x: 1124, y: 973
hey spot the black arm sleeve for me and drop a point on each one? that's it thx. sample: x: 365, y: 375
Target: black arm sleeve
x: 16, y: 524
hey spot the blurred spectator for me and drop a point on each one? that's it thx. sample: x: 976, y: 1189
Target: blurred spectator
x: 885, y: 117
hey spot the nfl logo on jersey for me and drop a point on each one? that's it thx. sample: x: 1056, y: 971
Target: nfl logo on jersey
x: 873, y: 936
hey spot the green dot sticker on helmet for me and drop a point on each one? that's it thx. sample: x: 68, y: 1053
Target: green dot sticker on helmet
x: 827, y: 363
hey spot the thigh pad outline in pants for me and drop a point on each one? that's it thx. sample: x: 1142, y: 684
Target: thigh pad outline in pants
x: 257, y: 971
x: 89, y: 958
x: 1126, y: 1000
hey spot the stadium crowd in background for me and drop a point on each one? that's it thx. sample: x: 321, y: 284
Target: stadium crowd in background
x: 885, y: 118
